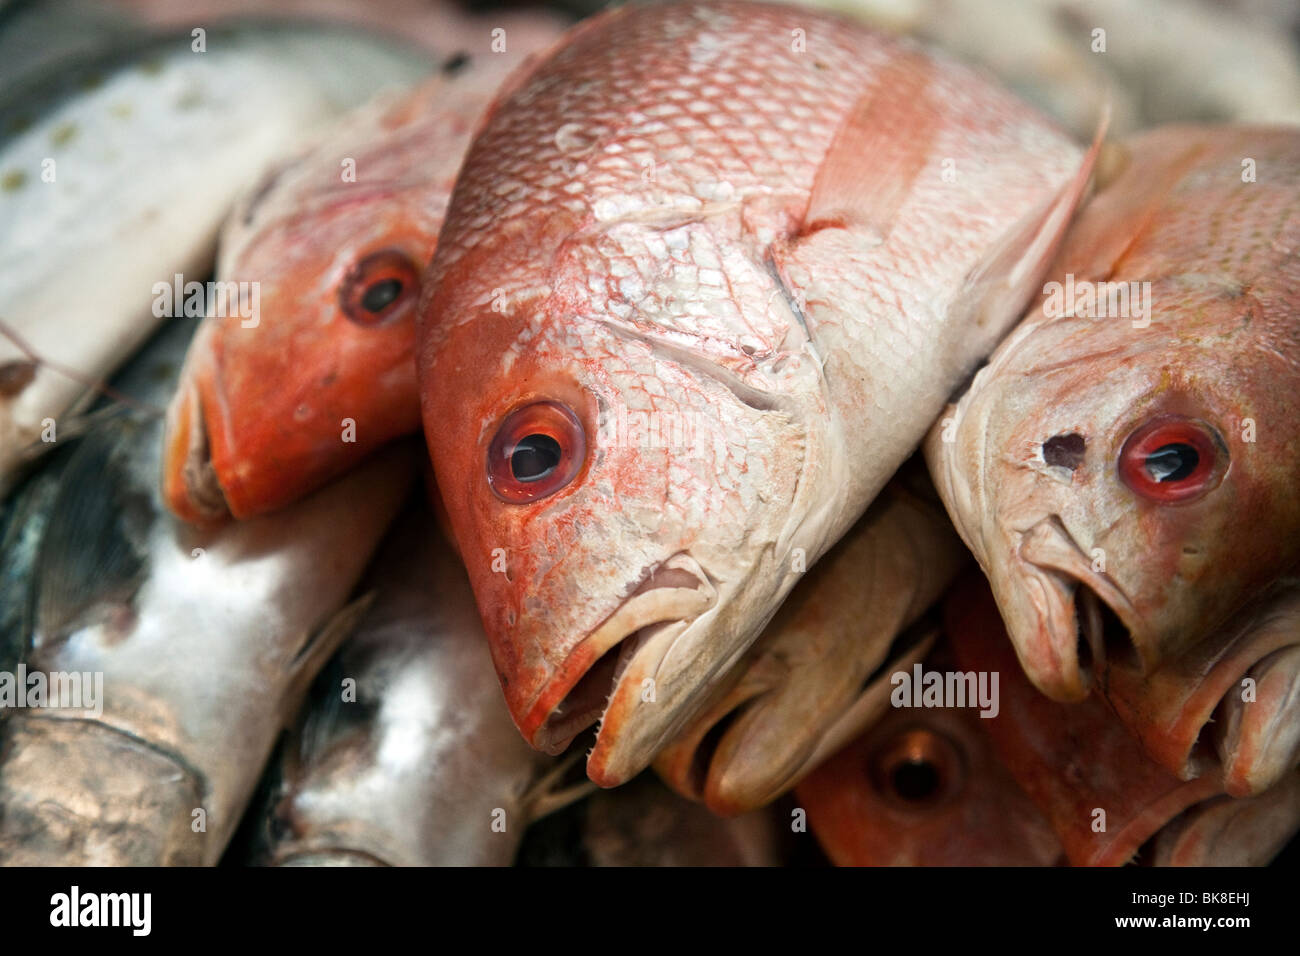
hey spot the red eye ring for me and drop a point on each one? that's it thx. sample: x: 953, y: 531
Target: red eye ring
x: 379, y: 287
x: 1173, y: 460
x: 537, y: 450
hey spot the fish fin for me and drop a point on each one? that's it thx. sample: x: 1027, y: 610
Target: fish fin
x: 548, y: 794
x: 895, y: 124
x: 94, y: 550
x: 998, y: 289
x: 322, y: 644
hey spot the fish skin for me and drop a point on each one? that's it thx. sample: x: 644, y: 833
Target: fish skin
x: 172, y: 135
x: 196, y: 687
x: 1220, y: 255
x: 977, y: 815
x: 1073, y: 759
x: 410, y: 772
x: 1192, y: 713
x: 258, y: 420
x: 592, y: 259
x: 818, y: 676
x: 645, y: 824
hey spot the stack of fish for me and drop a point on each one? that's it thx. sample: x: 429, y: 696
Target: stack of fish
x: 633, y: 400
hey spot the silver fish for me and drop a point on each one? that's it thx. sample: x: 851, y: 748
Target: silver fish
x: 198, y: 646
x: 423, y: 766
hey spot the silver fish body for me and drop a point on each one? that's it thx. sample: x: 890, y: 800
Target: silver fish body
x: 198, y: 646
x: 423, y: 766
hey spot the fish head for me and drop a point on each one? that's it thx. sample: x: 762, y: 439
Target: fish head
x: 1112, y: 474
x: 924, y: 788
x: 622, y: 503
x: 315, y: 371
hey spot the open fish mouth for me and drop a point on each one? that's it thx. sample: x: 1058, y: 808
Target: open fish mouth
x: 190, y: 485
x: 756, y: 743
x: 1079, y: 621
x: 1231, y: 706
x: 626, y: 646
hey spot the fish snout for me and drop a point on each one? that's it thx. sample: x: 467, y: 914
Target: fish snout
x: 189, y: 481
x: 618, y: 659
x: 1068, y: 619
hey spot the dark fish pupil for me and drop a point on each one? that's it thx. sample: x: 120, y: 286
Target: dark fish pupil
x: 381, y: 295
x: 535, y: 457
x: 1172, y: 462
x: 916, y: 780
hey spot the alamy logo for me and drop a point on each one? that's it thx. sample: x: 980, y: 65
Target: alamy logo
x: 241, y: 300
x: 65, y: 690
x: 922, y: 688
x: 1099, y: 300
x: 103, y: 909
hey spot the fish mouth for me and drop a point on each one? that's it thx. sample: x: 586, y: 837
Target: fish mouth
x: 1078, y: 620
x: 1197, y: 714
x: 189, y: 481
x: 757, y: 742
x: 1258, y: 741
x: 631, y: 641
x: 1225, y: 831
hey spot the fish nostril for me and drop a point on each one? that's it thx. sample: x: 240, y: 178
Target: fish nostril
x: 1065, y: 451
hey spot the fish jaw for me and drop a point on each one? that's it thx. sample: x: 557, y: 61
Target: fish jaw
x: 820, y: 673
x: 1192, y: 714
x: 1233, y: 832
x: 645, y: 565
x: 1259, y: 742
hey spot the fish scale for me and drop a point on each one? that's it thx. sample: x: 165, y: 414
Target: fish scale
x: 809, y: 285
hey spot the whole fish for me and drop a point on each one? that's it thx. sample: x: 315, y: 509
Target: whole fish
x: 819, y: 675
x: 1108, y: 802
x: 1123, y: 467
x: 171, y: 128
x: 924, y: 788
x: 1228, y: 706
x: 196, y: 648
x: 707, y: 275
x: 422, y: 766
x: 336, y: 239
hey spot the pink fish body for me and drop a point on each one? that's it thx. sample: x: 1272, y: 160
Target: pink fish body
x: 707, y: 275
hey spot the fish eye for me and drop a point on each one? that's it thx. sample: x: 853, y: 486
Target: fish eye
x: 1173, y: 460
x: 379, y: 287
x: 537, y: 450
x: 916, y: 769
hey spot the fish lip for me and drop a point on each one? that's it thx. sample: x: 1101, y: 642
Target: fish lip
x: 1069, y: 612
x: 1257, y: 753
x: 190, y: 484
x: 742, y: 785
x: 1155, y: 818
x: 657, y: 603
